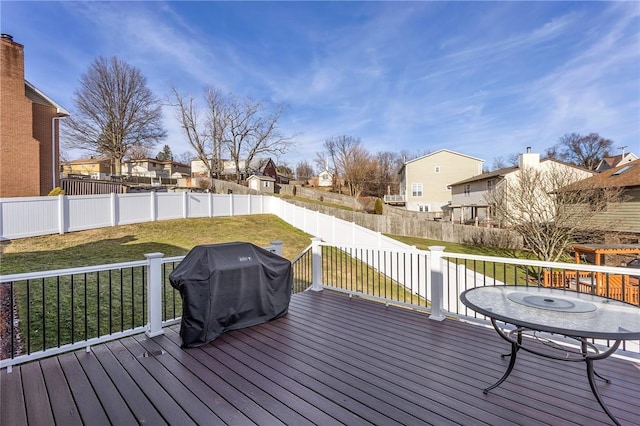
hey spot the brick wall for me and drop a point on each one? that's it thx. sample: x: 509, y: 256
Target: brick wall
x: 19, y: 150
x: 42, y: 116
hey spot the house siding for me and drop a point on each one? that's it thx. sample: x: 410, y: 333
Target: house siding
x: 436, y: 172
x: 619, y: 217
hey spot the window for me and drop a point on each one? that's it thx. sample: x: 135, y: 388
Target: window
x: 467, y: 190
x: 490, y: 185
x: 436, y: 169
x: 266, y: 183
x: 416, y: 190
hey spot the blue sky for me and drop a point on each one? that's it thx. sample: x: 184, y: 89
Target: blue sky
x: 486, y: 79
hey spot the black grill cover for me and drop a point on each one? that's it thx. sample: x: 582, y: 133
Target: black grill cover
x: 230, y: 286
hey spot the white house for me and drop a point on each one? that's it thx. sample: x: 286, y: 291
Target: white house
x: 424, y: 181
x: 470, y: 197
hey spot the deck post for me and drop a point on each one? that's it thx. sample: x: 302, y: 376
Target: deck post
x: 154, y: 294
x: 316, y: 264
x: 437, y: 283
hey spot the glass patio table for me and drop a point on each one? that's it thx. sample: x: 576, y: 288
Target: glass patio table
x: 535, y: 311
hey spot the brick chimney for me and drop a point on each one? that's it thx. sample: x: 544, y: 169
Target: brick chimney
x: 20, y: 150
x: 12, y: 63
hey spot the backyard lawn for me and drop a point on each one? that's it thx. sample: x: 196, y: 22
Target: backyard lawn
x: 130, y: 242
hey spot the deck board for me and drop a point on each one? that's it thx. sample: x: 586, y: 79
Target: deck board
x: 331, y: 360
x: 60, y: 397
x: 36, y: 397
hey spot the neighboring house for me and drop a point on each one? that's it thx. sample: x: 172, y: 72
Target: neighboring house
x: 622, y: 217
x: 151, y: 167
x: 95, y: 168
x: 265, y: 184
x: 258, y: 167
x: 608, y: 163
x: 424, y: 181
x: 324, y: 179
x: 29, y: 119
x: 283, y: 179
x: 469, y: 197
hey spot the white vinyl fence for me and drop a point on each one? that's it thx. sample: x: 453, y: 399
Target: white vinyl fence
x: 33, y: 216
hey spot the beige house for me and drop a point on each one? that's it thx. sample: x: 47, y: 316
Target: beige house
x: 470, y: 197
x: 95, y: 168
x: 424, y: 181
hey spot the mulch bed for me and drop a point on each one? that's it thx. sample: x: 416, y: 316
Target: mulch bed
x: 6, y: 310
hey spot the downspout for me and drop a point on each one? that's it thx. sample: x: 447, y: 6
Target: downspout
x: 54, y: 172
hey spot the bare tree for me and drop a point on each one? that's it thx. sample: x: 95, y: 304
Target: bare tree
x: 184, y: 157
x: 284, y: 169
x: 351, y: 161
x: 193, y: 127
x: 536, y: 203
x: 115, y: 112
x: 500, y: 162
x: 385, y: 177
x: 139, y: 152
x: 251, y: 131
x: 304, y: 171
x: 585, y: 151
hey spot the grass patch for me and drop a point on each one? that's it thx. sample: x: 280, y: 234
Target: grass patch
x: 130, y: 242
x: 317, y: 202
x: 507, y: 273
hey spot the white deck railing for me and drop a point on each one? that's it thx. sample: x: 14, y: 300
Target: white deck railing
x: 428, y: 280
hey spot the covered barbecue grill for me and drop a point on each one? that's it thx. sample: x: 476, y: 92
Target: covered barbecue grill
x: 230, y: 286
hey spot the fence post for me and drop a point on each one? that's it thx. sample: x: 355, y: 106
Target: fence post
x: 61, y: 214
x: 113, y: 207
x: 153, y: 206
x: 185, y: 205
x: 437, y: 283
x: 316, y: 264
x: 154, y: 294
x: 277, y: 247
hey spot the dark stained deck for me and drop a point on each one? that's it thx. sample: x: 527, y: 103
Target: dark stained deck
x: 331, y: 360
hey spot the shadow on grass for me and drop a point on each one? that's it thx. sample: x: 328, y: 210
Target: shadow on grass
x: 123, y: 249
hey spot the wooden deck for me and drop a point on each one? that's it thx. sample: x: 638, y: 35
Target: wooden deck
x: 331, y: 360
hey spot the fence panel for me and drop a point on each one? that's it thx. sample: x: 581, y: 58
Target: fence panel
x: 221, y: 205
x: 170, y: 206
x: 198, y: 204
x: 134, y: 208
x: 29, y: 217
x: 87, y: 212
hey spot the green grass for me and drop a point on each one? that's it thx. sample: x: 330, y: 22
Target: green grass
x: 130, y: 242
x: 508, y: 273
x: 73, y: 308
x: 317, y: 202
